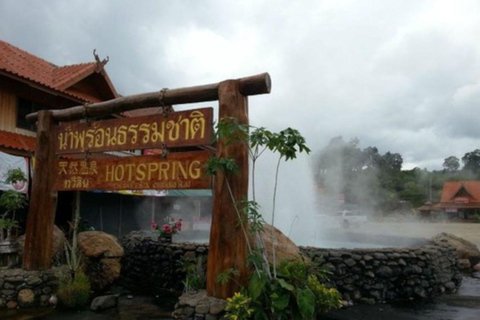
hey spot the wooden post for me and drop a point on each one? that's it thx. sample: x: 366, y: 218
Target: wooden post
x: 228, y: 246
x: 38, y: 241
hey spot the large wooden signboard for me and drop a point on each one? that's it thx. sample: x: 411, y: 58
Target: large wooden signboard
x: 177, y: 129
x: 177, y: 171
x: 228, y: 246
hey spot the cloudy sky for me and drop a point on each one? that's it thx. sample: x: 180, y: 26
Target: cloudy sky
x: 403, y: 76
x: 400, y: 75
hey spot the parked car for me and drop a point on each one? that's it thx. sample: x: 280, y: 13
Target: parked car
x: 351, y: 218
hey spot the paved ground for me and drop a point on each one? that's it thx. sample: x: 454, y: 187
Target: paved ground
x: 468, y: 231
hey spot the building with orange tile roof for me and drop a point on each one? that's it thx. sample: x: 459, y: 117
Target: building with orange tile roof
x: 460, y: 199
x: 29, y: 83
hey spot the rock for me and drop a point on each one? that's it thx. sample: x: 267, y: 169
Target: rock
x: 12, y: 304
x: 104, y: 302
x: 450, y: 286
x: 188, y: 311
x: 284, y: 247
x: 58, y: 244
x: 211, y: 317
x: 202, y: 308
x: 44, y: 300
x: 350, y: 262
x: 102, y: 258
x: 192, y: 299
x: 464, y: 249
x: 367, y: 300
x: 218, y: 306
x: 384, y: 272
x: 99, y: 244
x: 26, y: 298
x: 464, y: 264
x: 475, y: 268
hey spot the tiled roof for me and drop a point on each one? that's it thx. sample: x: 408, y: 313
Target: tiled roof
x: 450, y: 190
x: 17, y: 141
x: 20, y: 63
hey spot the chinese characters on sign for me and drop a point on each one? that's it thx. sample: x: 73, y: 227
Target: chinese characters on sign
x: 178, y: 171
x: 177, y: 129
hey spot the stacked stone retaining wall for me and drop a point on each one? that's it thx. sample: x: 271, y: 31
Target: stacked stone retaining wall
x: 149, y: 265
x: 361, y: 275
x: 390, y: 274
x: 20, y: 288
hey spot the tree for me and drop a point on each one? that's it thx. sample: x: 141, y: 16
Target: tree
x: 471, y: 161
x: 451, y: 164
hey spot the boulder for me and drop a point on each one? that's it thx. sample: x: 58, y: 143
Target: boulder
x: 58, y: 245
x: 104, y: 302
x: 477, y: 267
x: 102, y: 255
x: 464, y: 249
x: 284, y: 247
x: 26, y: 298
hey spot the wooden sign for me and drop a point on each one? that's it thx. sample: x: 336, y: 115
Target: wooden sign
x: 177, y: 171
x: 177, y: 129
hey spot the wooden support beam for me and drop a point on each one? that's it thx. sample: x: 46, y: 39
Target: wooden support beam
x: 247, y: 86
x: 228, y: 245
x: 41, y: 215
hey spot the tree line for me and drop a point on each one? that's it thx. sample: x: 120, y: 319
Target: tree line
x: 376, y: 182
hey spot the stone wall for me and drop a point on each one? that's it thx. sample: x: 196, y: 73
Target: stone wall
x: 390, y: 274
x: 20, y: 288
x: 361, y: 275
x: 149, y: 265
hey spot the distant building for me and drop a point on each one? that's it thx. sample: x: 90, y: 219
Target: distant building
x: 460, y: 199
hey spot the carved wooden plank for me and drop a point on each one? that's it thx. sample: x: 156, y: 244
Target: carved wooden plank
x: 228, y: 246
x: 253, y: 85
x: 176, y: 129
x: 41, y: 214
x: 177, y: 171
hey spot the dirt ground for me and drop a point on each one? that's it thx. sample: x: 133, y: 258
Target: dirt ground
x: 468, y: 231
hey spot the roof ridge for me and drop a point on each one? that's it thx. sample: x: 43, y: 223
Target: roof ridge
x: 75, y: 65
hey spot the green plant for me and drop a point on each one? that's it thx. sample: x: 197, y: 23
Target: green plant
x: 295, y: 293
x: 238, y: 307
x: 227, y: 275
x: 11, y: 201
x: 194, y: 273
x: 74, y: 290
x: 289, y: 291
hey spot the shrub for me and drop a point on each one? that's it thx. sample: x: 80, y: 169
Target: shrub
x: 74, y: 291
x: 296, y: 293
x: 238, y: 307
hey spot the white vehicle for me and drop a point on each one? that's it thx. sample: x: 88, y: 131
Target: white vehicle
x: 351, y: 218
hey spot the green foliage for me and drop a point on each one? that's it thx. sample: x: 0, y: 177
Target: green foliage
x: 229, y: 129
x: 15, y: 175
x: 296, y: 293
x: 194, y: 273
x: 451, y: 164
x: 12, y: 200
x: 215, y: 164
x: 238, y: 307
x: 227, y: 275
x: 8, y: 224
x: 287, y: 295
x: 74, y: 291
x: 250, y: 211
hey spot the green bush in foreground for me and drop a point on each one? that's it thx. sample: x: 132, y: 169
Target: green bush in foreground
x: 74, y: 291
